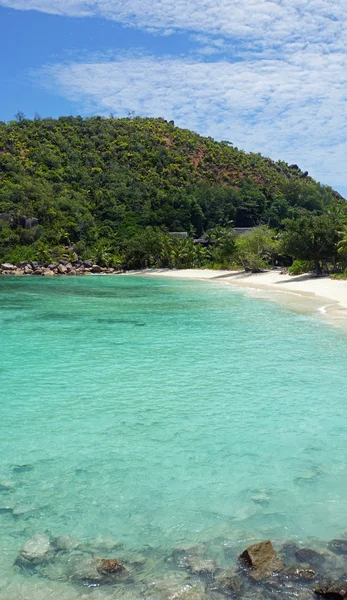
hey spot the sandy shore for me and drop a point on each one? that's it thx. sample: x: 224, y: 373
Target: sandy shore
x: 322, y: 296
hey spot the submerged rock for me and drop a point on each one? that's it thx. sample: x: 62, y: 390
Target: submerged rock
x: 338, y: 546
x: 201, y: 566
x: 95, y: 569
x: 228, y: 581
x: 309, y: 557
x: 35, y: 551
x: 65, y: 543
x: 261, y: 559
x: 332, y: 590
x: 107, y: 566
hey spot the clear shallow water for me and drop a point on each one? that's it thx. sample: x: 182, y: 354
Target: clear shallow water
x: 160, y: 412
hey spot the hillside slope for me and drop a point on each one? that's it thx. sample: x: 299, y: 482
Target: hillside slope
x: 75, y: 180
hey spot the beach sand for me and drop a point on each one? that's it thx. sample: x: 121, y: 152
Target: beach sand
x: 322, y: 296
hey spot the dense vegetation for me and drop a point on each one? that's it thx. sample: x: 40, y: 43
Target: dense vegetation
x: 113, y: 189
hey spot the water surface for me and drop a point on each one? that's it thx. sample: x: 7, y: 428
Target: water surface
x: 160, y: 412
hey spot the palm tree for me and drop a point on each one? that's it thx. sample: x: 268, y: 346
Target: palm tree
x: 342, y: 244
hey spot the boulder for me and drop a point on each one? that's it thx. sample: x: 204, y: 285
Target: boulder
x: 53, y: 265
x: 5, y: 217
x: 107, y: 566
x: 65, y: 543
x: 35, y: 265
x: 88, y: 263
x: 18, y: 272
x: 48, y: 273
x: 201, y: 566
x: 36, y: 550
x: 94, y: 569
x: 68, y: 266
x: 261, y: 560
x: 303, y: 175
x: 332, y: 590
x: 8, y: 267
x: 309, y: 557
x: 28, y: 270
x: 62, y: 269
x: 228, y: 581
x: 96, y: 269
x: 30, y: 223
x: 338, y: 546
x: 294, y: 167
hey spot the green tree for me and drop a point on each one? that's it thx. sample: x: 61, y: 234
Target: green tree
x: 312, y: 238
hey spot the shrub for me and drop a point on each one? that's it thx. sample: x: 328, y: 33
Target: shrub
x: 301, y: 266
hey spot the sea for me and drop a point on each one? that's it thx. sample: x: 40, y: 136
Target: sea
x: 141, y: 415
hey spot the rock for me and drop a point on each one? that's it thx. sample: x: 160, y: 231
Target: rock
x: 94, y: 569
x: 201, y: 566
x: 5, y: 217
x: 35, y: 265
x: 303, y: 175
x: 48, y: 273
x: 37, y: 550
x: 228, y: 581
x: 62, y: 269
x: 261, y: 559
x: 294, y: 167
x: 310, y: 557
x: 84, y: 569
x: 65, y: 543
x: 28, y: 270
x: 8, y: 267
x: 332, y: 590
x: 299, y: 574
x: 18, y: 272
x: 338, y: 546
x: 261, y: 497
x: 72, y: 272
x: 38, y: 271
x: 53, y: 265
x: 6, y: 486
x: 96, y: 269
x: 88, y: 263
x: 68, y: 266
x: 107, y: 566
x: 183, y: 555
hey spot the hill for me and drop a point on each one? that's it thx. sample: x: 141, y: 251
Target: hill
x: 74, y: 181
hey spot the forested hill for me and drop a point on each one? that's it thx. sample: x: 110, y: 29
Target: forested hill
x: 86, y: 180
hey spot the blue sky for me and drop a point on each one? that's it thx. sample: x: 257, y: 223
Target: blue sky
x: 270, y: 76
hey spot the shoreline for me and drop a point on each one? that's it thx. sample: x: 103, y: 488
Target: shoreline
x: 322, y: 297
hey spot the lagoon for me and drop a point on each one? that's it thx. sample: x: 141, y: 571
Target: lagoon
x: 159, y: 412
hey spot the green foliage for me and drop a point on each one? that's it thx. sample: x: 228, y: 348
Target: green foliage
x: 312, y: 238
x: 301, y: 266
x: 112, y: 189
x: 256, y: 249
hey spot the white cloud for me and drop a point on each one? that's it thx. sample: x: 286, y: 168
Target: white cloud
x: 282, y: 90
x: 291, y: 109
x: 267, y: 21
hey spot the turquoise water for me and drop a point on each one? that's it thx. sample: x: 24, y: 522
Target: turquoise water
x: 159, y: 412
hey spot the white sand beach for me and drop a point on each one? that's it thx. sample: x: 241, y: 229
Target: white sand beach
x: 323, y: 296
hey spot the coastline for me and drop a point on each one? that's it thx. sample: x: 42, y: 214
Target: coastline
x: 323, y: 297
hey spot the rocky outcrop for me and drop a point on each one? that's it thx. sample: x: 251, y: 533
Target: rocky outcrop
x: 261, y: 560
x: 8, y: 267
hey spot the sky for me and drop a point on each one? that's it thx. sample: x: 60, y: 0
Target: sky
x: 268, y: 76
